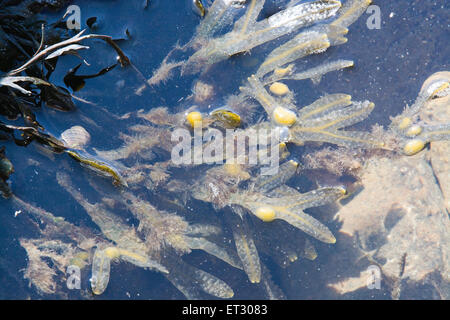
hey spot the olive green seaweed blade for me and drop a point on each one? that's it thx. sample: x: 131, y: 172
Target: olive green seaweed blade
x: 290, y: 209
x: 302, y: 45
x: 192, y: 281
x: 322, y: 120
x: 213, y: 249
x: 245, y: 246
x: 339, y: 118
x: 248, y: 254
x: 323, y: 106
x: 350, y: 12
x: 307, y: 224
x: 220, y: 14
x: 314, y: 198
x: 351, y: 139
x: 266, y: 183
x: 101, y: 167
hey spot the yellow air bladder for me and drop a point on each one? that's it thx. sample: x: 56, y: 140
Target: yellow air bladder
x: 279, y: 89
x: 266, y: 214
x: 194, y: 118
x: 414, y: 131
x: 413, y: 146
x: 405, y: 123
x: 112, y: 252
x: 284, y: 116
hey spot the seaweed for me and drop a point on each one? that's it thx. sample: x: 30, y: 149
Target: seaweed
x: 6, y: 169
x: 253, y: 214
x: 34, y: 49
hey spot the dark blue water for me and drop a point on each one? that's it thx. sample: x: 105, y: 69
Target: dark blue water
x: 390, y: 66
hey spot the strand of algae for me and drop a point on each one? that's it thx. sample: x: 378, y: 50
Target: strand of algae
x: 61, y: 242
x: 245, y: 246
x: 321, y: 120
x: 309, y: 42
x: 249, y: 33
x: 277, y: 202
x: 129, y: 247
x: 174, y: 231
x: 314, y: 73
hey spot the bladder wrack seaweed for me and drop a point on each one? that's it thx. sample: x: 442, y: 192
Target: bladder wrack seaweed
x: 264, y: 214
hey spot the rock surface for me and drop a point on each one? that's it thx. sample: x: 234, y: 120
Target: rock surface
x: 399, y: 222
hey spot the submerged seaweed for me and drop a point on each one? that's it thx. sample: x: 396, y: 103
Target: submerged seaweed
x: 6, y: 169
x: 256, y: 214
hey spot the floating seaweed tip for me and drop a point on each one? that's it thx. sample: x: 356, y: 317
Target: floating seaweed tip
x: 98, y: 166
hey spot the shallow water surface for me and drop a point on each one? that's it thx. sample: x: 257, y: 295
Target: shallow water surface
x: 391, y: 64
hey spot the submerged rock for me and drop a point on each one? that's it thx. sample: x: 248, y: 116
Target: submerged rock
x: 401, y: 211
x: 399, y: 222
